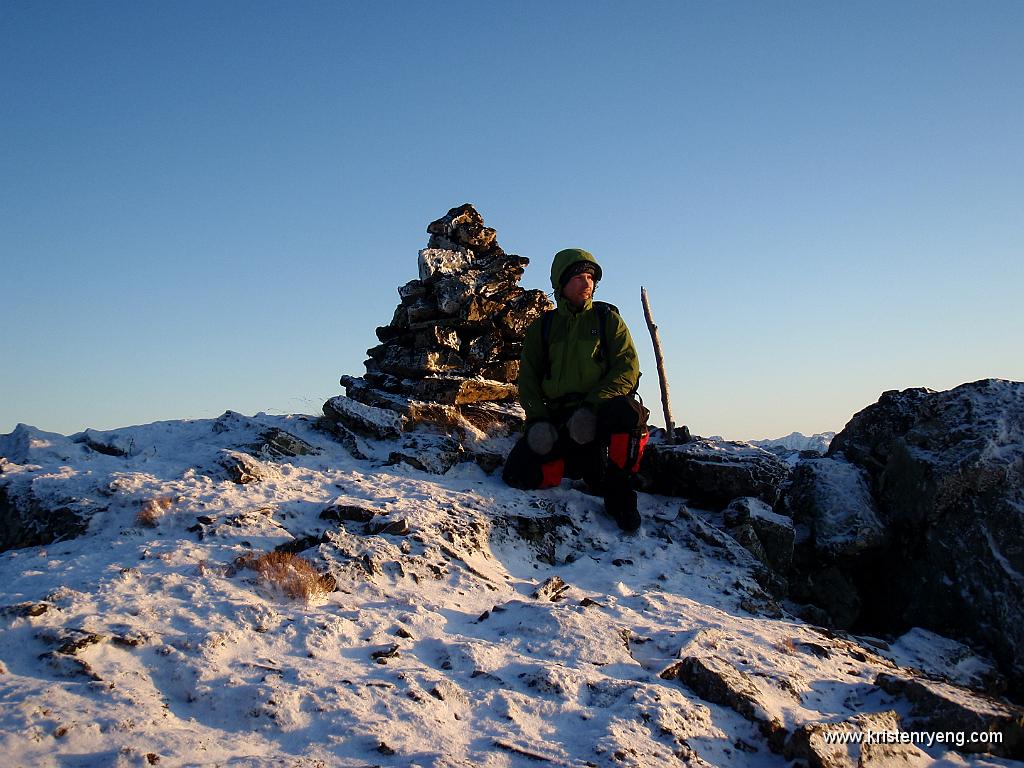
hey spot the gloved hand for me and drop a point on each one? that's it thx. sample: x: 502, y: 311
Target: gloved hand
x: 541, y: 437
x: 582, y: 425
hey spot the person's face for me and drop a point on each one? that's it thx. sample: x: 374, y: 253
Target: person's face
x: 579, y: 288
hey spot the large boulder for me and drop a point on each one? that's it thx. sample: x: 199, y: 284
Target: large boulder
x: 946, y: 473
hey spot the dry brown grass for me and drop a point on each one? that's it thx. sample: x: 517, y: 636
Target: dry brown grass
x: 290, y: 573
x: 152, y: 510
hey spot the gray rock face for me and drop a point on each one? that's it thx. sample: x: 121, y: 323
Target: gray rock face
x: 242, y: 468
x: 712, y: 473
x: 945, y: 471
x: 452, y: 347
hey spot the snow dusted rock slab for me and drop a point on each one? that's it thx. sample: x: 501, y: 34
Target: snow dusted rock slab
x: 836, y: 520
x: 108, y: 443
x: 712, y: 473
x: 29, y: 519
x: 773, y: 534
x: 242, y: 468
x: 278, y: 444
x: 364, y: 419
x: 938, y: 656
x: 30, y: 446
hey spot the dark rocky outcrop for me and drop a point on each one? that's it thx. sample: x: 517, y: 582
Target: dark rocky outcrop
x: 449, y: 358
x: 242, y: 468
x: 917, y: 516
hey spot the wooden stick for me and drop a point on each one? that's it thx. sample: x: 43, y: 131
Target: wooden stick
x: 670, y: 427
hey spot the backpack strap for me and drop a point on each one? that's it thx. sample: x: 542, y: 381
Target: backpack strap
x: 545, y: 334
x: 603, y: 309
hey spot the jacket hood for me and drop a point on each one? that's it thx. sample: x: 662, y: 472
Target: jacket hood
x: 565, y: 259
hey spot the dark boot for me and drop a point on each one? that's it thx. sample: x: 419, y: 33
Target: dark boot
x: 620, y: 503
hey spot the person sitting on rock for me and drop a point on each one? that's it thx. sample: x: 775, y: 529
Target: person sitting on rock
x: 577, y: 383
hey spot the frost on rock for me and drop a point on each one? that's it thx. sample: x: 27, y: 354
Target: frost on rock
x: 939, y: 656
x: 30, y: 446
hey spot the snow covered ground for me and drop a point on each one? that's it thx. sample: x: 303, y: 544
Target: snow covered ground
x: 472, y: 625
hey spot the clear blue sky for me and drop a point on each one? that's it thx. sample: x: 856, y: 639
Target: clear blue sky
x: 209, y: 205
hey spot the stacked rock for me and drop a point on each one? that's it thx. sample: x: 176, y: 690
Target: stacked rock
x: 450, y: 354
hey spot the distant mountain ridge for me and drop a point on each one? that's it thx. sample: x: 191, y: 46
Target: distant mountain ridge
x: 796, y: 441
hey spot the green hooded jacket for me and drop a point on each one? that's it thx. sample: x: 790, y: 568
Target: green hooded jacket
x: 577, y: 367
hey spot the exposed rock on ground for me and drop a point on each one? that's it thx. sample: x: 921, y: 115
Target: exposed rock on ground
x: 765, y: 534
x: 838, y: 521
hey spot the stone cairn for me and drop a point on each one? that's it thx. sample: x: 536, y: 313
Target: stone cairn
x: 450, y: 355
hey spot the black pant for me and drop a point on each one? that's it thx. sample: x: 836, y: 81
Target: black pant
x: 525, y: 469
